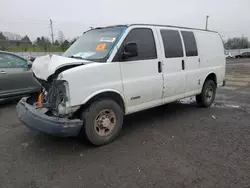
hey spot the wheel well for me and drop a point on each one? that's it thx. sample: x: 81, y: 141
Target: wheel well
x: 213, y: 77
x: 105, y: 95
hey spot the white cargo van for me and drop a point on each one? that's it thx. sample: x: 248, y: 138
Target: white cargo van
x: 118, y: 70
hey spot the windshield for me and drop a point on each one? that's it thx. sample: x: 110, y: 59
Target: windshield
x: 95, y: 45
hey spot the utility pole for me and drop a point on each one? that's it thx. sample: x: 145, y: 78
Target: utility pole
x: 207, y: 21
x: 51, y: 30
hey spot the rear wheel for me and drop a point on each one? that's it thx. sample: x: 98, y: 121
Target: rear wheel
x: 103, y: 121
x: 207, y: 96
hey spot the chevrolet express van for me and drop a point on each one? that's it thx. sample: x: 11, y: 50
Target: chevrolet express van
x: 113, y: 71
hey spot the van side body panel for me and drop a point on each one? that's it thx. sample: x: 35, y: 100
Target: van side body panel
x: 127, y: 79
x: 103, y: 77
x: 211, y: 53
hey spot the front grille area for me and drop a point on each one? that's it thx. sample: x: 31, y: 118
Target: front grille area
x: 54, y: 93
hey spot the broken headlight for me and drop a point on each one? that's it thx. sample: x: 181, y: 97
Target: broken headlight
x: 56, y: 95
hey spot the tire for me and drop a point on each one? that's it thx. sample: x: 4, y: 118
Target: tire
x: 207, y: 96
x: 100, y: 116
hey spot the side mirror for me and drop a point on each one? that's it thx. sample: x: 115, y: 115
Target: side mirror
x: 29, y: 63
x: 32, y: 59
x: 130, y: 50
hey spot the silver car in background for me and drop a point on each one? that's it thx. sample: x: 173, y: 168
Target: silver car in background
x: 16, y: 76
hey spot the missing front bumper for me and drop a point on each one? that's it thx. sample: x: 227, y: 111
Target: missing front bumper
x: 36, y: 119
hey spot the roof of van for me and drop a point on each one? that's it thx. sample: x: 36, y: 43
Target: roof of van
x: 180, y: 27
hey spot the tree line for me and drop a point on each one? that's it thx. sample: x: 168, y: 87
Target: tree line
x: 237, y: 43
x: 42, y: 43
x: 46, y: 44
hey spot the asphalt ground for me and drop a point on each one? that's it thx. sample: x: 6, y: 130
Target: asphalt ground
x: 175, y: 145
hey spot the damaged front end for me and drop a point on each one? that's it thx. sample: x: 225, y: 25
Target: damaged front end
x: 54, y: 97
x: 51, y: 112
x: 55, y: 94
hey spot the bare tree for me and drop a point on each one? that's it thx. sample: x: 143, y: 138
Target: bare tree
x: 12, y: 36
x: 237, y: 43
x: 60, y: 37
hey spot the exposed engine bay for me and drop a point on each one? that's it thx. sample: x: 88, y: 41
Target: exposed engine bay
x: 53, y: 95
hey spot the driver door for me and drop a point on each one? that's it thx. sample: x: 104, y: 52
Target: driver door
x: 142, y: 75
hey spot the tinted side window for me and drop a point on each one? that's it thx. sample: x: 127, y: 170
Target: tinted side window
x: 3, y: 62
x: 190, y: 43
x: 144, y: 39
x: 172, y: 43
x: 16, y: 62
x: 11, y: 61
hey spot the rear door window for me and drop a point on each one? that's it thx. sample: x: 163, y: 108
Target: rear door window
x: 172, y: 43
x: 190, y: 43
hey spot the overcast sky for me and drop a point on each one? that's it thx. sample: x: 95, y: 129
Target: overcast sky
x: 229, y: 17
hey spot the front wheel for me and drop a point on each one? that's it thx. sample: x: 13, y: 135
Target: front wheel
x: 103, y: 121
x: 207, y: 96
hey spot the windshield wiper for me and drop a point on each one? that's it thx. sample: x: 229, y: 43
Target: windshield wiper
x: 76, y: 57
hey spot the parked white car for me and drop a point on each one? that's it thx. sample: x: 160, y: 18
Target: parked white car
x: 114, y: 71
x: 228, y: 55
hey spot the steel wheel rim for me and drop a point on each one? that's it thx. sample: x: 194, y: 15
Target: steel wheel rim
x: 105, y: 122
x: 209, y: 93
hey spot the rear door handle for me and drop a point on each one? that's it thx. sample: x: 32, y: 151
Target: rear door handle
x: 159, y: 67
x: 183, y: 64
x: 3, y: 72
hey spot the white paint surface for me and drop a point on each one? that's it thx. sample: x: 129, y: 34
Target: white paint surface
x: 141, y: 78
x: 45, y: 66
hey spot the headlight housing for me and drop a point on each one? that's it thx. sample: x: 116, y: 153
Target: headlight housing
x: 60, y: 76
x: 56, y: 94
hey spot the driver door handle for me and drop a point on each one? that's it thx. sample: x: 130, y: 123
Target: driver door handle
x: 159, y: 67
x: 183, y: 65
x: 2, y: 72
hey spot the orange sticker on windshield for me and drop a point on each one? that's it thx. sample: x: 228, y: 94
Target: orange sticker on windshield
x: 100, y: 47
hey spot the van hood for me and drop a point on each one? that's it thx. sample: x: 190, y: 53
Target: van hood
x: 45, y: 66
